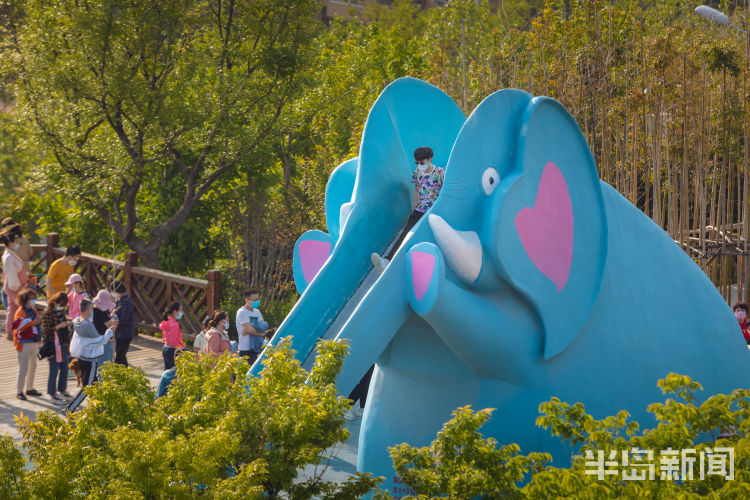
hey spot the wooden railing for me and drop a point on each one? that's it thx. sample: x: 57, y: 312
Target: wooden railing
x: 151, y: 290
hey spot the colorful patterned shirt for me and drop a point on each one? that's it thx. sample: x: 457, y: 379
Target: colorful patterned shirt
x: 428, y: 187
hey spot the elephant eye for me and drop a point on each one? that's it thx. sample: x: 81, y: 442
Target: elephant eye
x: 490, y: 180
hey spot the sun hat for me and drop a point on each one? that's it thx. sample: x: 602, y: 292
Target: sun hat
x: 103, y: 301
x: 74, y: 278
x: 9, y: 228
x: 7, y: 221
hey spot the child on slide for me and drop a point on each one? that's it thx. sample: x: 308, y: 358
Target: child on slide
x: 428, y: 181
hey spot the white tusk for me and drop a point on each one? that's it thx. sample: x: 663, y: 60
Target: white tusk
x: 462, y: 249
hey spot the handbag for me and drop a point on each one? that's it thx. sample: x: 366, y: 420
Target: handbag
x: 47, y: 350
x: 76, y: 346
x: 87, y: 348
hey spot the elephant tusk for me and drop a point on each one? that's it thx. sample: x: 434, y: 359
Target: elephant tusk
x: 462, y: 249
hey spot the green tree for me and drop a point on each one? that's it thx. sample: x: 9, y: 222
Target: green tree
x: 12, y: 480
x: 213, y: 434
x: 120, y: 93
x: 461, y: 463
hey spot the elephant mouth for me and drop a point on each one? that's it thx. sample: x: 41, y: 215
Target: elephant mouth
x: 462, y: 249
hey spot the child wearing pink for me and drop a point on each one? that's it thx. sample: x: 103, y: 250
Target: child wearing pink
x: 74, y: 299
x: 171, y: 333
x: 76, y: 294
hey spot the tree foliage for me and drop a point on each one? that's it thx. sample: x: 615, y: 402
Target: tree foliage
x: 460, y: 463
x: 121, y: 94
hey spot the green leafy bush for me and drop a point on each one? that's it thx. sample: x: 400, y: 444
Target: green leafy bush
x: 460, y: 463
x: 214, y: 434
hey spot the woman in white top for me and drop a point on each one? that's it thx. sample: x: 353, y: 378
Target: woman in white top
x: 200, y: 339
x: 14, y: 276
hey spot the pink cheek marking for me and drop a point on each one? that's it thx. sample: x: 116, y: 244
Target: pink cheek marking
x: 422, y: 266
x: 546, y: 230
x: 313, y: 254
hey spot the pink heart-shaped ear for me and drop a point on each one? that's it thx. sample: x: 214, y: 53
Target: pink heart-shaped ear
x: 313, y: 254
x: 546, y: 230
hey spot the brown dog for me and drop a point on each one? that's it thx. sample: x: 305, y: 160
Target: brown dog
x: 73, y: 365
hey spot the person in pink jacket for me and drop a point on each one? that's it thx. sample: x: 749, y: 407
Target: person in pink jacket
x: 171, y: 333
x: 217, y: 339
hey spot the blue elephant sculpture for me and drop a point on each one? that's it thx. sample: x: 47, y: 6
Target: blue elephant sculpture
x: 528, y: 278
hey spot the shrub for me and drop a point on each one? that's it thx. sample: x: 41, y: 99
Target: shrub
x: 213, y: 434
x: 460, y: 463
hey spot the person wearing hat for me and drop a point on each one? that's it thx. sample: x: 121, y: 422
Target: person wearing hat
x: 76, y: 292
x: 24, y: 251
x: 14, y: 277
x: 102, y: 319
x: 60, y: 270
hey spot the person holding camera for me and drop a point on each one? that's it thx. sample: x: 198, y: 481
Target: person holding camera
x: 56, y: 342
x: 87, y: 346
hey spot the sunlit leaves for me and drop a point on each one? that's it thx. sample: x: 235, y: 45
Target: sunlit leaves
x: 215, y: 434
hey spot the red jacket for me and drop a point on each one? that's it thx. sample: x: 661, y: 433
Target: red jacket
x: 745, y: 333
x: 171, y: 334
x: 24, y: 331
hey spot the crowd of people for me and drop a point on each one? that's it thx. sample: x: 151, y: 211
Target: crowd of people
x: 79, y: 333
x: 72, y: 332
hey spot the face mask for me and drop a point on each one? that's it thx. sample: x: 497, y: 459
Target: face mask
x: 256, y: 303
x: 32, y: 303
x: 179, y: 315
x: 114, y: 296
x: 226, y: 326
x: 58, y: 308
x: 740, y: 314
x: 72, y: 262
x: 16, y: 246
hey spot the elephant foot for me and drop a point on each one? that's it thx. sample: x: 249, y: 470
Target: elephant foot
x: 425, y: 275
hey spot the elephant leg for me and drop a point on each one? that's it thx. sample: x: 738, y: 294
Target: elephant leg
x: 496, y: 334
